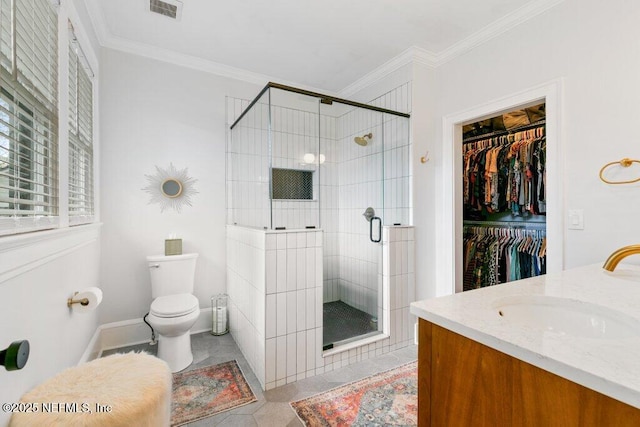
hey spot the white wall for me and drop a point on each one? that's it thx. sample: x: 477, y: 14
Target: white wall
x: 593, y: 47
x: 154, y: 113
x: 423, y: 123
x: 33, y: 307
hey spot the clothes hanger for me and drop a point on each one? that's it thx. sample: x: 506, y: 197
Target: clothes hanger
x: 533, y: 250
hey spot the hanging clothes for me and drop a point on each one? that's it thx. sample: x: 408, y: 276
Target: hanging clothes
x: 505, y: 173
x: 493, y: 255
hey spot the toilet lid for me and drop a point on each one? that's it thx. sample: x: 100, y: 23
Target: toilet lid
x: 174, y: 305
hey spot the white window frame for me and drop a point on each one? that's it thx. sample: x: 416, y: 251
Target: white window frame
x: 83, y: 143
x: 25, y: 251
x: 30, y: 118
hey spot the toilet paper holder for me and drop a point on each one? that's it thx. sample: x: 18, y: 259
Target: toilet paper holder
x: 81, y: 301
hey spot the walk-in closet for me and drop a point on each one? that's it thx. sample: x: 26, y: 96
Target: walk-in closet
x: 504, y: 198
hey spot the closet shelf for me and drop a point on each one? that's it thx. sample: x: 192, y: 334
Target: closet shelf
x: 531, y: 225
x: 504, y: 132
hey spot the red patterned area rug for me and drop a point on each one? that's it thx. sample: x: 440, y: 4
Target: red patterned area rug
x: 387, y: 398
x: 208, y: 391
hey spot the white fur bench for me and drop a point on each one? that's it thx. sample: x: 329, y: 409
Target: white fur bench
x: 132, y: 389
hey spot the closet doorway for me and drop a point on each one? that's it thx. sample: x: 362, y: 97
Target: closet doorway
x: 504, y: 198
x: 450, y: 235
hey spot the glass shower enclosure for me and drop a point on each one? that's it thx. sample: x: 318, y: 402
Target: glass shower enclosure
x: 299, y: 160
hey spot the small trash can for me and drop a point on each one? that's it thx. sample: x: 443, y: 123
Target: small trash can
x: 219, y: 317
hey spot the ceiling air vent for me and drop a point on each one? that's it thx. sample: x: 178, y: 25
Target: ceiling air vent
x: 169, y: 8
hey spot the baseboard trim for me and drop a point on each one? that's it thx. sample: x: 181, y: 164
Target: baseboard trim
x: 131, y: 332
x: 94, y: 349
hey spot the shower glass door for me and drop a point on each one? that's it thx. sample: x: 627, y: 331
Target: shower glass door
x: 351, y: 162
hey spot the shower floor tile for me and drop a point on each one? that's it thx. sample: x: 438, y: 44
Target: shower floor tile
x: 342, y: 322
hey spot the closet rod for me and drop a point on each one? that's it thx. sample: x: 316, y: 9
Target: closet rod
x: 504, y: 132
x: 530, y: 225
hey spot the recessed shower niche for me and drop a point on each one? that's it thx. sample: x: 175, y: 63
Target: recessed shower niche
x: 315, y: 284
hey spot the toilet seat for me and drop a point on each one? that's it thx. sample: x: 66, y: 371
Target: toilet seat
x: 174, y: 305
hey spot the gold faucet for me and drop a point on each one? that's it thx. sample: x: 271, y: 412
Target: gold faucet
x: 611, y: 263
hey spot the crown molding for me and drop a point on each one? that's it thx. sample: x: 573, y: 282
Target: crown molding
x: 424, y: 57
x: 412, y: 55
x: 418, y: 55
x: 496, y: 28
x: 188, y: 61
x: 97, y: 20
x: 108, y: 40
x: 200, y: 64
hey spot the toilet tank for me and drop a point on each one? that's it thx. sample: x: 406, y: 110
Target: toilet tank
x: 171, y: 274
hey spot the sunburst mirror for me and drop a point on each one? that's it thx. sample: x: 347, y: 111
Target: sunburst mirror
x: 171, y: 188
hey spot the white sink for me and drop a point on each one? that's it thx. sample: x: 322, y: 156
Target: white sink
x: 567, y: 317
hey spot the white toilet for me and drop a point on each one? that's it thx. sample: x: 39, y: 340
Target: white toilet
x: 174, y: 309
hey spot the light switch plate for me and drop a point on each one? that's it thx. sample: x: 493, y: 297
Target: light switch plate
x: 576, y: 219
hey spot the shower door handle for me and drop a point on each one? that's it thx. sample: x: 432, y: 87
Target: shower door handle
x: 379, y: 229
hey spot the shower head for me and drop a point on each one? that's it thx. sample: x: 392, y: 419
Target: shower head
x: 363, y: 140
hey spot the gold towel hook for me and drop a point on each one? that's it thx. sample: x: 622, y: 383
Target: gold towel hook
x: 425, y: 158
x: 625, y: 163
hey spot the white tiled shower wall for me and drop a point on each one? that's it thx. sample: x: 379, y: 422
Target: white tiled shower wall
x: 398, y: 283
x: 294, y: 133
x: 366, y: 176
x: 275, y: 296
x: 275, y: 301
x: 248, y: 165
x: 246, y: 287
x: 297, y: 133
x: 350, y: 179
x: 397, y: 155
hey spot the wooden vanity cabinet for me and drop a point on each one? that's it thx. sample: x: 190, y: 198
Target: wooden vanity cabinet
x: 464, y: 383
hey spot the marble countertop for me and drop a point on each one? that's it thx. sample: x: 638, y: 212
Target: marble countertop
x: 609, y: 365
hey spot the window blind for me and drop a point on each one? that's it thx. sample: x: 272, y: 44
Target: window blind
x: 36, y: 44
x: 28, y: 116
x: 5, y: 35
x: 81, y: 200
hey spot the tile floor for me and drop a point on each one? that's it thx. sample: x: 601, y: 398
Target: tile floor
x: 342, y: 322
x: 272, y: 408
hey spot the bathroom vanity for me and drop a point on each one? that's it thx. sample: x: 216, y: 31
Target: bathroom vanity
x: 561, y: 349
